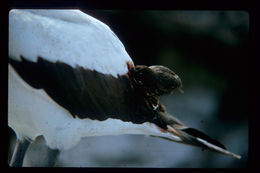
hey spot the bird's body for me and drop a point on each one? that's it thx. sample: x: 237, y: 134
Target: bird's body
x: 71, y: 77
x: 64, y: 85
x: 60, y: 129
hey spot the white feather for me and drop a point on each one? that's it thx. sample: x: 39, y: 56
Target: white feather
x: 69, y: 36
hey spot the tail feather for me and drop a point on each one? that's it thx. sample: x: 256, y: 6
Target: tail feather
x: 191, y: 136
x: 196, y: 133
x: 198, y: 138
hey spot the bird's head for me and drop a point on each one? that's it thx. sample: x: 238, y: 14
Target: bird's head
x: 156, y: 80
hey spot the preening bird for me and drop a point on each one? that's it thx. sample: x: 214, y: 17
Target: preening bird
x: 71, y: 77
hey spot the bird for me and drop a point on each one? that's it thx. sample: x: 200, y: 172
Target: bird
x: 69, y: 77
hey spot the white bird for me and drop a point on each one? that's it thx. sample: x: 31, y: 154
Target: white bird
x: 71, y: 77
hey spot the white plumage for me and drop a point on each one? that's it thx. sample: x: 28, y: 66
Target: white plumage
x: 69, y: 36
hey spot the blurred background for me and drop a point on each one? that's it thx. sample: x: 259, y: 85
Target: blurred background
x: 209, y: 51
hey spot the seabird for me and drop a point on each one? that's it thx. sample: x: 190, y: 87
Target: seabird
x: 70, y: 77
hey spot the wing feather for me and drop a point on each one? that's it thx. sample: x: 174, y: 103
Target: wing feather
x: 68, y: 36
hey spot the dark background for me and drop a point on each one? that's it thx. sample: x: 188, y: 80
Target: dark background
x: 209, y: 50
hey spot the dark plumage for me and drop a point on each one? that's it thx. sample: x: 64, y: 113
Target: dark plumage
x: 156, y: 80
